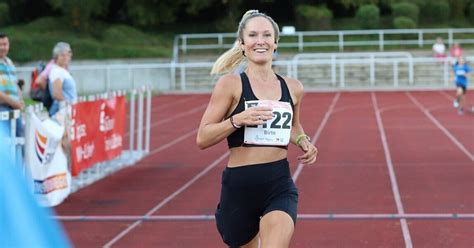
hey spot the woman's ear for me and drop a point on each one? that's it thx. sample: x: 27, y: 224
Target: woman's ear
x: 242, y: 45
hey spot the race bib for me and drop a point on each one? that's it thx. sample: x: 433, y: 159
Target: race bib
x: 276, y: 131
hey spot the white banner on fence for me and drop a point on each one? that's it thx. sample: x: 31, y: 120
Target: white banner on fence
x: 46, y: 161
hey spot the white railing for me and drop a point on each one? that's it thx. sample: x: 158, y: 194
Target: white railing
x: 319, y: 71
x: 138, y: 131
x: 337, y: 39
x: 340, y: 59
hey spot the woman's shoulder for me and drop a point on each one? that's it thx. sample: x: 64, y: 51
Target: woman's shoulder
x: 294, y: 84
x: 228, y: 81
x: 57, y: 68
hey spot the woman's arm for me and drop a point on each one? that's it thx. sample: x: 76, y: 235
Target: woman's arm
x: 14, y: 104
x: 214, y: 128
x: 58, y: 90
x: 298, y: 136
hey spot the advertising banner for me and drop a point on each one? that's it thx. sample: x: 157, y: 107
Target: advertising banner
x: 97, y: 130
x: 46, y: 162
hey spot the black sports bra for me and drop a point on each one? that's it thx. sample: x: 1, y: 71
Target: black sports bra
x: 236, y: 139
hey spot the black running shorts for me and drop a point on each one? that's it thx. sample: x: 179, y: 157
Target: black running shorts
x: 248, y: 193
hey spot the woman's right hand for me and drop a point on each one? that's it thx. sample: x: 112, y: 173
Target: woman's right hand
x: 253, y: 116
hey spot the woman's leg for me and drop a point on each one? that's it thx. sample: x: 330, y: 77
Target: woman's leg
x: 276, y: 229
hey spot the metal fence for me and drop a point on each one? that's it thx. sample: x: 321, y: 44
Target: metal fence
x: 314, y: 70
x: 138, y: 131
x: 340, y: 40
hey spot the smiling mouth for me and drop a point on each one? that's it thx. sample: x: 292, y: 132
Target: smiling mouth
x: 260, y: 50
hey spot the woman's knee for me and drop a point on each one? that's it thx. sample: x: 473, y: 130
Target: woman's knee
x: 279, y: 220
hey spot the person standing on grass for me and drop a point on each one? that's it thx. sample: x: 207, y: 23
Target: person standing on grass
x: 461, y: 71
x: 258, y: 112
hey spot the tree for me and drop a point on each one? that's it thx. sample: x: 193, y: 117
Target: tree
x: 457, y: 8
x: 80, y: 12
x: 156, y: 12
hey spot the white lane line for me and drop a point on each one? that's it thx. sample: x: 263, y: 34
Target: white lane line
x: 167, y: 199
x: 440, y: 126
x: 175, y: 141
x: 174, y: 103
x: 449, y: 97
x: 181, y: 114
x: 396, y: 107
x: 205, y: 217
x: 318, y: 132
x: 345, y: 108
x: 393, y: 177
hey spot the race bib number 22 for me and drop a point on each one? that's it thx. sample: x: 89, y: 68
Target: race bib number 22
x: 276, y: 131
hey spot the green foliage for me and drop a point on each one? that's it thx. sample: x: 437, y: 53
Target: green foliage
x: 4, y: 13
x: 403, y: 22
x: 314, y: 17
x: 47, y: 24
x: 127, y: 35
x: 471, y: 13
x: 80, y: 12
x: 358, y: 3
x: 153, y: 13
x: 406, y: 9
x: 457, y: 8
x: 34, y: 41
x: 21, y: 49
x: 368, y: 16
x: 436, y: 11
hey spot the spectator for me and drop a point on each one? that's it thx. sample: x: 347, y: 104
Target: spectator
x: 62, y: 85
x: 10, y: 93
x: 439, y: 49
x: 456, y: 51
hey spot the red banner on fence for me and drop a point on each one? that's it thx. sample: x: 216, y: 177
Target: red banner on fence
x: 97, y: 132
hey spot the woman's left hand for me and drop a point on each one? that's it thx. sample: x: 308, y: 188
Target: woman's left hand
x: 311, y: 152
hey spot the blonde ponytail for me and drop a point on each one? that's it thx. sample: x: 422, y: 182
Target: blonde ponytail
x: 228, y: 61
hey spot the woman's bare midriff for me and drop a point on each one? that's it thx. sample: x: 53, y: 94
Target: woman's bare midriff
x: 242, y: 156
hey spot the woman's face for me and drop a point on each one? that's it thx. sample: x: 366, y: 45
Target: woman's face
x: 259, y: 40
x: 64, y: 58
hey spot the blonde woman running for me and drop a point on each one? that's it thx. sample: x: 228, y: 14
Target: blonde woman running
x: 258, y: 112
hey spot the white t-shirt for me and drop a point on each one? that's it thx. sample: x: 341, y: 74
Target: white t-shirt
x: 439, y: 48
x: 69, y: 85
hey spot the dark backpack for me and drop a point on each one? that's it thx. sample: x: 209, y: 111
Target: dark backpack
x: 37, y: 93
x: 47, y: 99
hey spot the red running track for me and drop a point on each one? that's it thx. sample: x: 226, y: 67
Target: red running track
x: 395, y: 169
